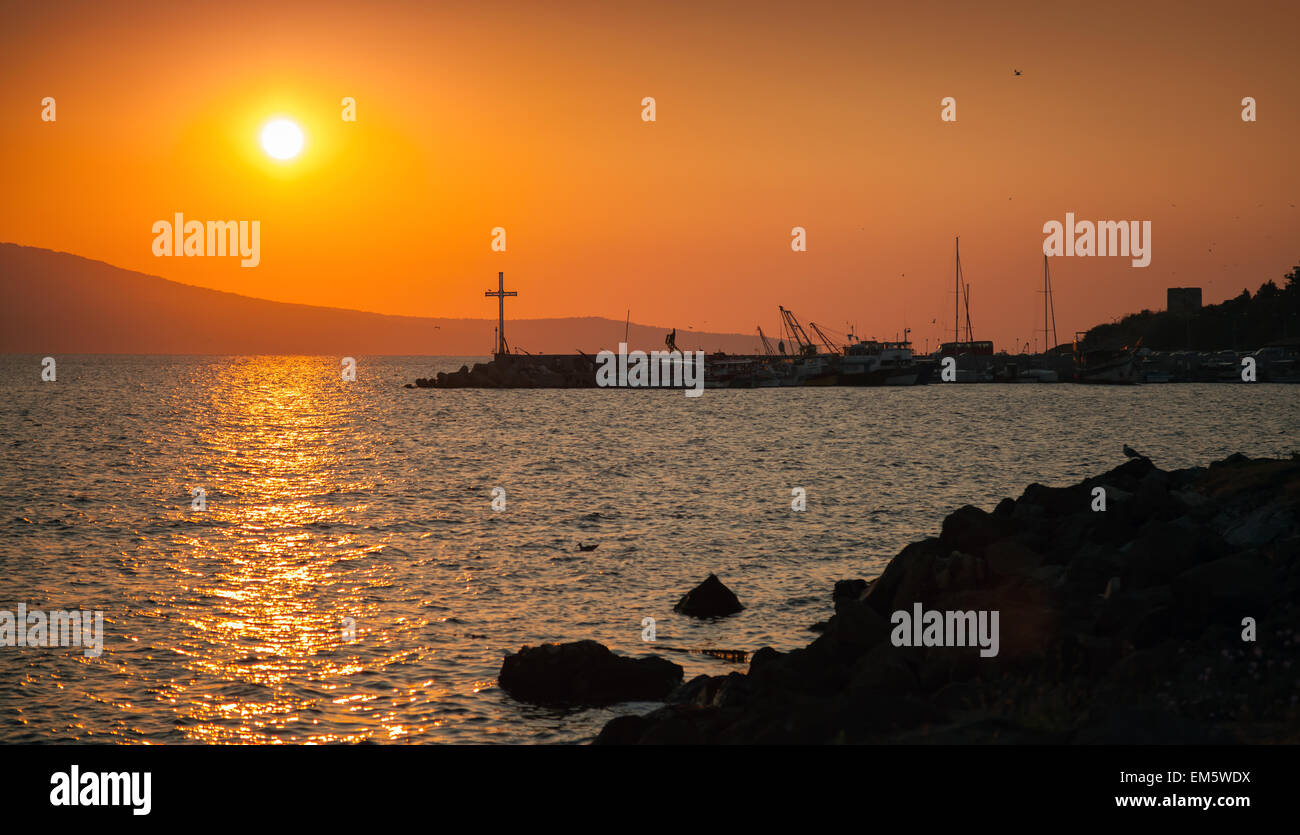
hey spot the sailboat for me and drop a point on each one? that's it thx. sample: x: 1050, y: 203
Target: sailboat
x: 972, y: 367
x: 1035, y: 373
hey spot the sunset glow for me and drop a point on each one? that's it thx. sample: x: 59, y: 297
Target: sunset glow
x: 511, y: 115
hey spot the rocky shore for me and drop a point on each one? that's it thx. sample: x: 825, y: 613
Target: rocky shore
x: 1171, y: 616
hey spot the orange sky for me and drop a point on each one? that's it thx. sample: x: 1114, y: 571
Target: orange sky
x: 528, y: 116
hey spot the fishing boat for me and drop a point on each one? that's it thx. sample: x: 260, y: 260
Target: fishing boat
x: 723, y: 372
x: 1107, y: 366
x: 1013, y: 372
x: 808, y: 367
x: 766, y: 376
x: 815, y: 370
x: 872, y: 363
x: 1278, y: 364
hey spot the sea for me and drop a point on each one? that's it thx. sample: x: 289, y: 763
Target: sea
x: 285, y: 556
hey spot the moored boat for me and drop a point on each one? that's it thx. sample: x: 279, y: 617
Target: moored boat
x: 1106, y: 366
x: 872, y: 363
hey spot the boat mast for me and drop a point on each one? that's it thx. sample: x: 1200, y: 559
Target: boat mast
x: 1049, y: 304
x: 963, y: 289
x: 970, y: 332
x: 956, y: 300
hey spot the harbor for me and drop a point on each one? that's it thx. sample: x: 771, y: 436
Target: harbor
x: 819, y: 356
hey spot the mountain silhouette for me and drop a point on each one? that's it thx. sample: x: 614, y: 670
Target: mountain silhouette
x: 53, y: 302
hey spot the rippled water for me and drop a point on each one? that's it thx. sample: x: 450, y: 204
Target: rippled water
x: 329, y: 500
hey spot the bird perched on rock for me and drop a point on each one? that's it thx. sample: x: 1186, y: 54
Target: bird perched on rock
x: 1130, y: 452
x: 582, y: 547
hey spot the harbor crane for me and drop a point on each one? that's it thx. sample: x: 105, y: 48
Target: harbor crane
x: 797, y: 333
x: 826, y: 340
x: 767, y: 345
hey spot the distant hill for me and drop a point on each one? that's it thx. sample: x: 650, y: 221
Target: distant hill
x: 53, y: 302
x: 1270, y: 317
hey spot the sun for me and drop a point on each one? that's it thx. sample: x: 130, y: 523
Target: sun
x: 281, y: 139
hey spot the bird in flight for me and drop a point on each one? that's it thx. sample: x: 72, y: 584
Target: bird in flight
x: 1017, y: 72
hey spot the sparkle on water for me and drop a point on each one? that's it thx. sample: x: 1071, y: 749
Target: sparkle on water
x: 329, y: 500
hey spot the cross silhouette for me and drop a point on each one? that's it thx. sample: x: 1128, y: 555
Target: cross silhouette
x: 501, y: 292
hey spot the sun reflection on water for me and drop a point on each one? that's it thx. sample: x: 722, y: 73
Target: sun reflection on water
x: 267, y: 596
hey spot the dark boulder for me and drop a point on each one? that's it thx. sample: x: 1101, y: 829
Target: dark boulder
x: 1091, y: 569
x: 1230, y: 588
x: 1261, y: 527
x: 908, y: 578
x: 1009, y: 558
x: 1152, y: 500
x: 698, y: 691
x: 710, y: 599
x: 885, y: 668
x: 1129, y: 474
x: 1054, y: 501
x: 854, y: 629
x: 1164, y: 550
x: 970, y: 529
x: 849, y: 589
x: 623, y: 730
x: 585, y: 673
x: 1125, y: 608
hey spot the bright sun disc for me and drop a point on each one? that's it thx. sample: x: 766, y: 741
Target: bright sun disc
x: 282, y: 139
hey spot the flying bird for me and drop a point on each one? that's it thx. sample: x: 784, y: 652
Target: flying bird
x: 1017, y: 72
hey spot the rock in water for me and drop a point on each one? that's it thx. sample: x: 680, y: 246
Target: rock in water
x: 585, y: 673
x: 710, y: 599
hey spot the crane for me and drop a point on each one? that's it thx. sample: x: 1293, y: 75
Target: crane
x: 797, y: 333
x: 830, y: 346
x: 767, y: 346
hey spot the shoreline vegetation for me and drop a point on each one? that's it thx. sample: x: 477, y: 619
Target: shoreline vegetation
x: 1170, y: 617
x: 1269, y: 318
